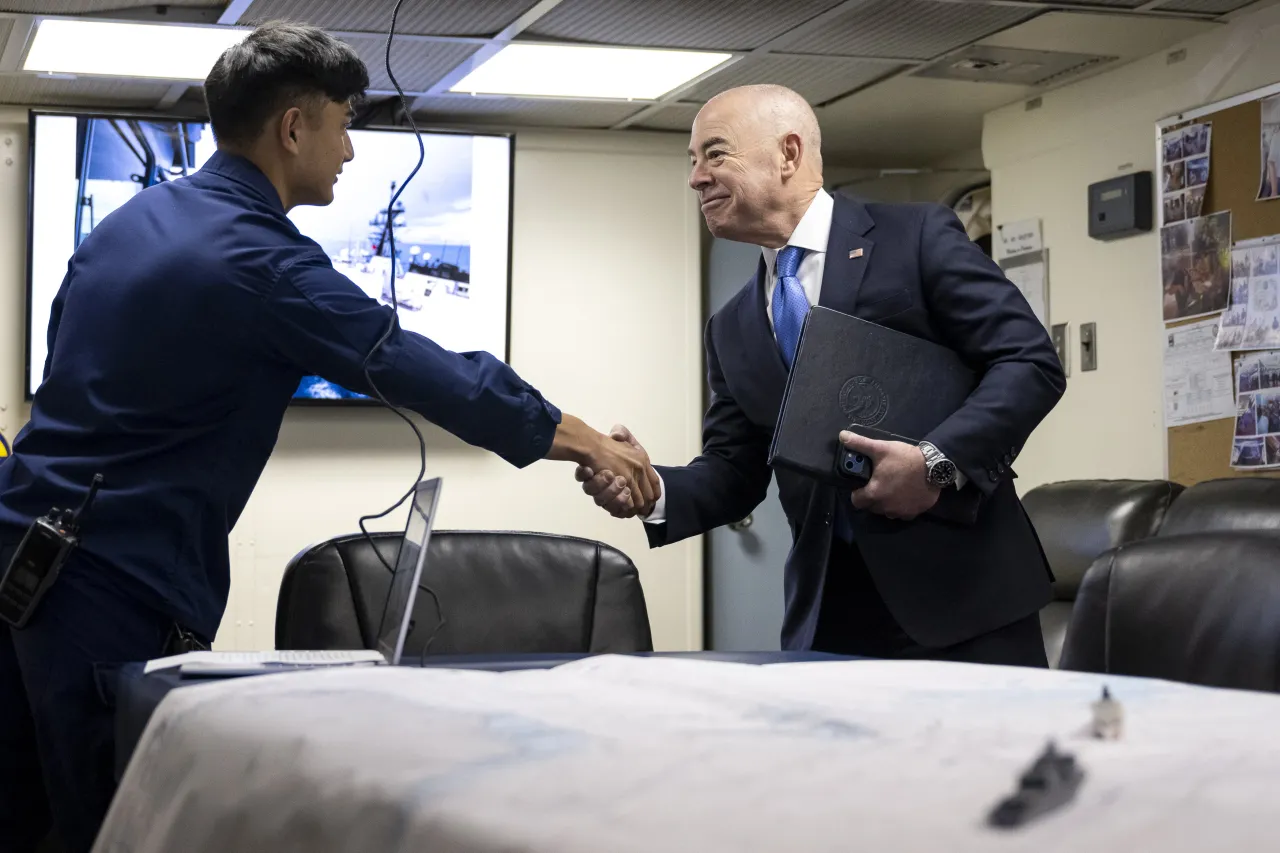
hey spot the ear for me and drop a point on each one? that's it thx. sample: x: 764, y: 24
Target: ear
x: 792, y: 151
x: 290, y: 124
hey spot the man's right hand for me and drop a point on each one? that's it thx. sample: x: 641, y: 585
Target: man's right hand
x: 575, y: 441
x: 610, y: 491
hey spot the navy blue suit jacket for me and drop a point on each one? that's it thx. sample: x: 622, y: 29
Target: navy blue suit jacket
x: 919, y: 273
x: 185, y: 322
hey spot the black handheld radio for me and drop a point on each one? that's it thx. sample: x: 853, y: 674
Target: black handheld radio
x: 40, y: 556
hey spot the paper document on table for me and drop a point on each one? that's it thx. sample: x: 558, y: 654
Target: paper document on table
x: 1197, y: 378
x: 225, y: 661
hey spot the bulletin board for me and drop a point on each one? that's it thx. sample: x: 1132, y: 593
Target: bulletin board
x: 1201, y: 451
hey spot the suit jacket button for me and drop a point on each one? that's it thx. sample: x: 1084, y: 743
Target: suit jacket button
x: 1008, y: 460
x: 993, y: 475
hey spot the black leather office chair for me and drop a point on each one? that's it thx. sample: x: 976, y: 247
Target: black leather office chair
x: 1237, y: 503
x: 500, y: 593
x: 1201, y: 608
x: 1078, y: 520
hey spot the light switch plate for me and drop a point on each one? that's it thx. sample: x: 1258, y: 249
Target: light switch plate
x: 1089, y: 346
x: 1061, y: 342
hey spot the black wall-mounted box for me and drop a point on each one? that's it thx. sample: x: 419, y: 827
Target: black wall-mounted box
x: 1121, y: 207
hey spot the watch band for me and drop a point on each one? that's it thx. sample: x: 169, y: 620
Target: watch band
x: 939, y: 470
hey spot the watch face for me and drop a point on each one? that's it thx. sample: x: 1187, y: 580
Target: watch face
x: 943, y: 473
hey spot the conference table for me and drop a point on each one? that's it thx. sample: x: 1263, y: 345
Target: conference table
x: 678, y: 753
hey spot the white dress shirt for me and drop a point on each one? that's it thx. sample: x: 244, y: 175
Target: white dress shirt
x: 811, y: 234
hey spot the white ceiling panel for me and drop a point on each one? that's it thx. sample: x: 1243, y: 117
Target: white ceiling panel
x: 1126, y: 36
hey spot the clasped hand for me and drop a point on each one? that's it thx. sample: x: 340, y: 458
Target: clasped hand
x: 899, y: 487
x: 611, y: 490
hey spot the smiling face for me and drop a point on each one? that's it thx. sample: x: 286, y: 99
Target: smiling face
x: 752, y: 167
x: 734, y: 170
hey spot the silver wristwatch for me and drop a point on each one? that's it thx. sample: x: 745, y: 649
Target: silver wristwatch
x: 939, y: 470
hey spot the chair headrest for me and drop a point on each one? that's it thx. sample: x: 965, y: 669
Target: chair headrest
x: 1201, y: 608
x: 1237, y: 503
x: 496, y: 591
x: 1078, y: 520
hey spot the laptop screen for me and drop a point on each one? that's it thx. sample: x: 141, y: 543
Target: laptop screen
x: 408, y: 571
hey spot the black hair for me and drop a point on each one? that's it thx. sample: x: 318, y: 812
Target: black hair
x: 277, y: 66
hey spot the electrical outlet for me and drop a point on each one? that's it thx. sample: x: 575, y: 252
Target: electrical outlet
x: 1061, y: 342
x: 1089, y: 346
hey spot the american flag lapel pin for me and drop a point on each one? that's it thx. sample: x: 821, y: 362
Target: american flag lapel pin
x: 856, y: 253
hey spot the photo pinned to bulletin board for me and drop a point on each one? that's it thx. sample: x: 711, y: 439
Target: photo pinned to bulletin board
x: 1269, y: 140
x: 1256, y: 444
x: 1252, y: 319
x: 1195, y: 258
x: 1186, y: 171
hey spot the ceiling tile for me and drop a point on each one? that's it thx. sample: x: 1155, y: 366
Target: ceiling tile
x: 817, y: 80
x: 910, y: 29
x: 675, y: 117
x: 1122, y: 4
x: 1216, y: 7
x: 417, y: 64
x: 528, y: 112
x: 84, y: 7
x: 706, y: 24
x: 419, y: 17
x: 30, y: 89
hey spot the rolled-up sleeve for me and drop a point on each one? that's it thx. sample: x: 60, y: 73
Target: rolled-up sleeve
x: 318, y: 320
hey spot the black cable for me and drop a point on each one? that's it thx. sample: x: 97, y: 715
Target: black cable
x: 391, y: 327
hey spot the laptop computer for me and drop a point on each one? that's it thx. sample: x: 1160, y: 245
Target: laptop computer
x: 392, y: 631
x: 853, y: 375
x: 397, y: 614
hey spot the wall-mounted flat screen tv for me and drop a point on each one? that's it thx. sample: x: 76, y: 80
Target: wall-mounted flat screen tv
x: 452, y: 224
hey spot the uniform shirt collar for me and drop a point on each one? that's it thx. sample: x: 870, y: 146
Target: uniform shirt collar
x: 243, y: 171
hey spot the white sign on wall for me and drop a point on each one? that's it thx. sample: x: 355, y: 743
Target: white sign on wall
x: 1019, y: 238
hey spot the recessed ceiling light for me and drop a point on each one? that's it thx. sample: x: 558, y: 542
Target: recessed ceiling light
x: 575, y: 71
x: 117, y: 49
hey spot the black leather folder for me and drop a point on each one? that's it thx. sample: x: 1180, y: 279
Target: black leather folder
x: 874, y: 381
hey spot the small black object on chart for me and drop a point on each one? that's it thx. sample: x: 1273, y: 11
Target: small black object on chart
x: 1049, y: 783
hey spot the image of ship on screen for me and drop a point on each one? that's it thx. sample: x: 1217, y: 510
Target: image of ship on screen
x: 424, y: 265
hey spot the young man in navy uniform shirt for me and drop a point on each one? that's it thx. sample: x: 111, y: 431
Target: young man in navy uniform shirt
x: 184, y: 324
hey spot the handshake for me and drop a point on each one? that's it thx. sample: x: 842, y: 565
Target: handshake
x: 619, y: 477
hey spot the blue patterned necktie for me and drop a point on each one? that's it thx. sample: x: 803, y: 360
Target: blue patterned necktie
x: 790, y: 305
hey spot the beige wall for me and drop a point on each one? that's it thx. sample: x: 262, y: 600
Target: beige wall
x: 1110, y: 423
x: 606, y: 313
